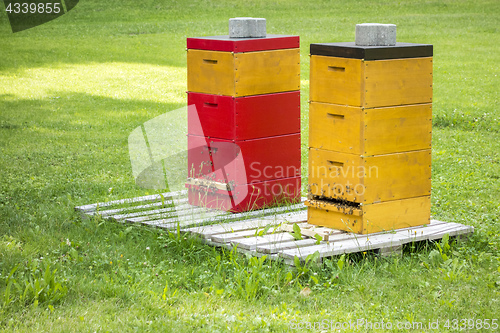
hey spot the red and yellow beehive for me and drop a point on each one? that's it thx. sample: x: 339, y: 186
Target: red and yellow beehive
x: 370, y: 124
x: 244, y: 131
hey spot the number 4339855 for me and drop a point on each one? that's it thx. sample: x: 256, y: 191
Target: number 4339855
x: 40, y: 8
x: 471, y: 324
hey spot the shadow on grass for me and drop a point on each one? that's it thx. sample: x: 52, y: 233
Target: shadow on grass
x: 61, y: 152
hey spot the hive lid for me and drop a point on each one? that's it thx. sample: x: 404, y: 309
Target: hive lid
x: 237, y: 45
x: 351, y: 50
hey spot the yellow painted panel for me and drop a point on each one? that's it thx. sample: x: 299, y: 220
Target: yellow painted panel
x: 210, y: 72
x: 336, y: 175
x: 397, y: 176
x: 370, y: 179
x: 396, y: 214
x: 243, y: 74
x: 397, y: 82
x: 336, y: 80
x: 376, y: 131
x: 335, y: 127
x: 267, y: 72
x: 397, y: 129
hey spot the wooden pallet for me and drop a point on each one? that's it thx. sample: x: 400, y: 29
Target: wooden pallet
x: 262, y: 232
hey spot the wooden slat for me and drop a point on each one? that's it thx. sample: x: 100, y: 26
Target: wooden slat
x: 227, y: 237
x: 214, y: 229
x: 146, y: 212
x: 435, y: 232
x: 180, y: 210
x: 224, y: 219
x: 185, y: 218
x: 292, y: 217
x: 211, y: 184
x: 252, y: 243
x: 154, y: 197
x: 347, y: 245
x: 278, y: 247
x: 141, y: 213
x: 282, y: 215
x: 210, y: 230
x: 119, y: 213
x: 309, y: 230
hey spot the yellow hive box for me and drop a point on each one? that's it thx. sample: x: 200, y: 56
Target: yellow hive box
x: 371, y: 84
x: 243, y: 74
x: 366, y: 219
x: 369, y: 179
x: 357, y: 130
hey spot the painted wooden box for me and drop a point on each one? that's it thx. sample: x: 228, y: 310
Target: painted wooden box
x: 367, y: 132
x: 244, y: 162
x: 369, y: 179
x: 371, y: 76
x: 243, y: 118
x: 370, y: 218
x: 243, y: 74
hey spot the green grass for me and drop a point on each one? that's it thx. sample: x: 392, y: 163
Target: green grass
x: 73, y: 89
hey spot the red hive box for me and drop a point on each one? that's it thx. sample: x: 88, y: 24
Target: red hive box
x: 243, y: 121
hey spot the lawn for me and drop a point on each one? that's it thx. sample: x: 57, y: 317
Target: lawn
x: 72, y: 90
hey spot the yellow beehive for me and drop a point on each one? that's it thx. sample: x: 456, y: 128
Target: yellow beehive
x: 370, y: 131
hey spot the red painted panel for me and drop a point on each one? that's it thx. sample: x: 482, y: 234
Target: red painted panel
x: 237, y: 45
x: 244, y: 162
x: 211, y: 116
x: 244, y: 118
x: 247, y: 197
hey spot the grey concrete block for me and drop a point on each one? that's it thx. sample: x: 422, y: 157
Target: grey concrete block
x: 375, y: 34
x: 244, y: 27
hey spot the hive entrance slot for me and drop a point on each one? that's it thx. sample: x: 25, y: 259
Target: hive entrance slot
x: 336, y: 69
x: 337, y: 202
x: 211, y: 105
x: 335, y: 116
x: 210, y: 61
x: 335, y: 163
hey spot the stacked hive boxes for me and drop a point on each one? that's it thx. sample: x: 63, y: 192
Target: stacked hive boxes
x: 243, y: 121
x: 370, y: 136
